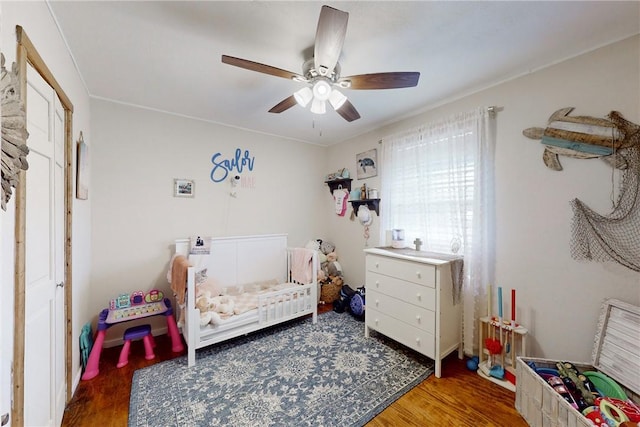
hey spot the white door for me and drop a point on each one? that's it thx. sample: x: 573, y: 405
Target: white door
x: 44, y: 376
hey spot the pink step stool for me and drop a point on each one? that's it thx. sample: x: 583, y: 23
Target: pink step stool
x: 135, y: 333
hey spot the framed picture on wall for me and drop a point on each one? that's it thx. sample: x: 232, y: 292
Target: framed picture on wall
x: 367, y: 164
x: 184, y: 188
x: 82, y: 172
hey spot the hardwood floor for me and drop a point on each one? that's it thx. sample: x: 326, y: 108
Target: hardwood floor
x: 459, y: 398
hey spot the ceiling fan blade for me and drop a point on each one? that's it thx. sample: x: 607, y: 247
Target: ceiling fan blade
x: 284, y: 105
x: 261, y: 68
x: 348, y: 111
x: 381, y: 80
x: 330, y: 34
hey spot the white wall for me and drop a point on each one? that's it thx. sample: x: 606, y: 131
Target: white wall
x: 136, y: 154
x: 558, y: 298
x: 38, y: 24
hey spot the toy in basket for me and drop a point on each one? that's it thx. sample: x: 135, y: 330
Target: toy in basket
x: 603, y: 393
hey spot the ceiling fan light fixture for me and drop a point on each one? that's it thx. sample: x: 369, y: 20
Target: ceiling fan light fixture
x: 337, y: 99
x: 318, y: 106
x: 322, y: 70
x: 321, y: 90
x: 303, y: 96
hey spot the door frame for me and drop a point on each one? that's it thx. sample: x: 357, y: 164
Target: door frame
x: 27, y: 53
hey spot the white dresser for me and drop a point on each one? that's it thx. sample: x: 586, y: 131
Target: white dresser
x: 410, y: 299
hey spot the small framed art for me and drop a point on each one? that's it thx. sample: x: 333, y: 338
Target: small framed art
x: 184, y: 188
x: 367, y: 164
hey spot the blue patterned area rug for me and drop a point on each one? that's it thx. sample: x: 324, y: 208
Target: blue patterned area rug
x: 295, y: 374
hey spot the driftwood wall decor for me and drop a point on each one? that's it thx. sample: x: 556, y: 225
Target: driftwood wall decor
x: 595, y: 237
x: 14, y: 132
x: 585, y: 137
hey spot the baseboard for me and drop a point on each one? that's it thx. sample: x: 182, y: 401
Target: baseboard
x: 76, y: 380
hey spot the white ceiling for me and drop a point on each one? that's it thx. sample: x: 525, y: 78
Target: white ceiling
x: 166, y: 55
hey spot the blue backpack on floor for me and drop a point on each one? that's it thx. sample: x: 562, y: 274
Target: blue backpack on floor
x: 357, y: 302
x: 343, y: 301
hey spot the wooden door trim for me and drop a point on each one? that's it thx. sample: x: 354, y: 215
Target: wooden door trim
x: 26, y: 52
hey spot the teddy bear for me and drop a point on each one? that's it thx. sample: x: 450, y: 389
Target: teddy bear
x: 327, y: 247
x: 202, y: 304
x: 333, y: 267
x: 214, y: 309
x: 222, y: 304
x: 337, y: 281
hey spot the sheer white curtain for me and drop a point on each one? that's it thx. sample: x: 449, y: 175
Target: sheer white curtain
x: 437, y: 184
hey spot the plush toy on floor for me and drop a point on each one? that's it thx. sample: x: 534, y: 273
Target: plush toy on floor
x: 333, y: 267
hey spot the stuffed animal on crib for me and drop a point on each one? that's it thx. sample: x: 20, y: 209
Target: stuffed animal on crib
x: 222, y: 304
x: 202, y: 304
x: 213, y: 309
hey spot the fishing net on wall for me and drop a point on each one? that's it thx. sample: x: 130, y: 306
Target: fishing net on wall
x: 616, y: 236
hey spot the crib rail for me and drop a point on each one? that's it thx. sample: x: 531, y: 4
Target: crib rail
x: 284, y: 304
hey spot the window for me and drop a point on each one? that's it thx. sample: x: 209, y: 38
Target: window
x: 437, y: 184
x: 428, y: 178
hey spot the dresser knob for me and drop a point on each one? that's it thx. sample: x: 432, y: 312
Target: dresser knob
x: 377, y: 302
x: 418, y: 274
x: 418, y: 318
x: 376, y: 321
x: 417, y: 340
x: 418, y: 296
x: 377, y: 284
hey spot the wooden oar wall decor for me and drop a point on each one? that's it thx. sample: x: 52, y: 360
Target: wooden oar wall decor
x: 14, y: 132
x: 585, y: 137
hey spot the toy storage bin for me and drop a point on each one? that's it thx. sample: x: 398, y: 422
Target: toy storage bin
x: 616, y: 353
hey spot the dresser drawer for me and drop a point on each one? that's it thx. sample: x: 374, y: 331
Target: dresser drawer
x: 410, y: 292
x: 411, y: 314
x: 417, y: 339
x: 417, y: 272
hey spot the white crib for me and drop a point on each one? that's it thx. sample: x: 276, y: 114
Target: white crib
x: 244, y: 260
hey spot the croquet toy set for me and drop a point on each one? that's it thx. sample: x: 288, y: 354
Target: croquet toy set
x: 604, y: 393
x: 502, y: 339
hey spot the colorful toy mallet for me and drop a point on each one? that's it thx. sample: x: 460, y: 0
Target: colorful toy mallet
x: 513, y: 325
x: 500, y: 323
x: 493, y: 346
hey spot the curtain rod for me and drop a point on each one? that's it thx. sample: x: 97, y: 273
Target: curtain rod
x: 494, y: 109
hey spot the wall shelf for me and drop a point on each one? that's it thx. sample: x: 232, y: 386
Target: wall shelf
x: 335, y: 183
x: 373, y: 204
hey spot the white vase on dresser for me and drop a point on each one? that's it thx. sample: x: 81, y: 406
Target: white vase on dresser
x: 409, y: 298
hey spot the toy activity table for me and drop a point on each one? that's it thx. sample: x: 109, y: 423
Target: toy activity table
x: 114, y: 315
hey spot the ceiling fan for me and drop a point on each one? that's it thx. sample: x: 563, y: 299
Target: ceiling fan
x: 322, y: 72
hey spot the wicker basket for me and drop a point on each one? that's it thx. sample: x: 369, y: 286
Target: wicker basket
x: 330, y: 292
